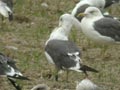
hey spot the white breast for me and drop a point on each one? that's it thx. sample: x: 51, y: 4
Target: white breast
x: 50, y: 60
x: 90, y: 32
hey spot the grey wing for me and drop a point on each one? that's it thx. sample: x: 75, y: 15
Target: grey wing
x: 108, y: 27
x: 5, y: 62
x: 60, y: 50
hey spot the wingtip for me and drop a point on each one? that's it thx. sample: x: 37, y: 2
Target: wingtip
x: 87, y: 68
x: 13, y: 82
x: 20, y: 77
x: 24, y: 78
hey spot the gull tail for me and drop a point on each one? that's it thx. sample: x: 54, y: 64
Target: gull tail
x: 85, y: 68
x: 19, y: 77
x: 13, y: 82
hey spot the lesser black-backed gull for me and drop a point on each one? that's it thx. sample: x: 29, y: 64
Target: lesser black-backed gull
x: 83, y: 4
x: 87, y: 84
x: 99, y: 28
x: 62, y: 52
x: 6, y: 8
x: 9, y: 69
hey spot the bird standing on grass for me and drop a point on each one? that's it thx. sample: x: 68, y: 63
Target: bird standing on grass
x: 6, y: 7
x: 99, y: 28
x: 60, y: 51
x: 9, y: 69
x: 83, y: 4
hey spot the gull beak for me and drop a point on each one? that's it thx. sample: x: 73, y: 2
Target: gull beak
x: 81, y: 15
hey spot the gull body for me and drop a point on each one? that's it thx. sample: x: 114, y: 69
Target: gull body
x: 99, y: 28
x: 83, y: 4
x: 60, y: 51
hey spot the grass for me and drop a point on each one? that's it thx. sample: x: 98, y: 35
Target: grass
x: 28, y: 33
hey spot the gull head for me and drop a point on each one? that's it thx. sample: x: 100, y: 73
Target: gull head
x: 66, y: 20
x: 91, y: 12
x: 62, y: 31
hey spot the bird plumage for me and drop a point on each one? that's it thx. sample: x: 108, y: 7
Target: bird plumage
x: 61, y: 51
x: 99, y: 28
x: 83, y: 4
x: 9, y: 69
x: 6, y: 8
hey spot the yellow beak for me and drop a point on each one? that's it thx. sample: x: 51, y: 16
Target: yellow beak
x: 81, y: 15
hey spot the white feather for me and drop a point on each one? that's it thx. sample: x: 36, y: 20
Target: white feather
x: 97, y: 3
x: 87, y: 24
x: 77, y: 60
x: 12, y: 72
x: 50, y: 60
x: 4, y: 9
x: 65, y: 25
x: 86, y: 84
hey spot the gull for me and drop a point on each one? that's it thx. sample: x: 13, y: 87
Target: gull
x: 9, y: 69
x: 83, y: 4
x: 62, y: 52
x: 99, y: 28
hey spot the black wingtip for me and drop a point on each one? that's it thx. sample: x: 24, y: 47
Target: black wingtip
x: 14, y: 84
x: 19, y: 77
x: 23, y: 78
x: 87, y: 68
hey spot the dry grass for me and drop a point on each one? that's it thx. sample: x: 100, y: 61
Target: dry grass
x: 28, y: 33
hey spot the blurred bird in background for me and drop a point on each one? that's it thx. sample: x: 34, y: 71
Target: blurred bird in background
x: 6, y: 9
x: 9, y: 69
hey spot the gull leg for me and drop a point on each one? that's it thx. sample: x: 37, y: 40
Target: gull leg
x: 56, y: 74
x: 86, y: 75
x: 67, y: 72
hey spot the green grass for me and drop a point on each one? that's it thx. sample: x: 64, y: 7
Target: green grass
x: 29, y: 34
